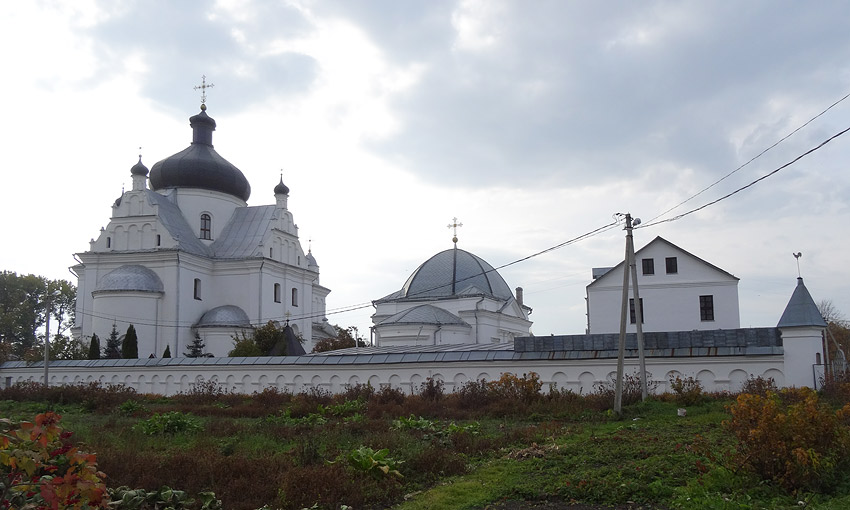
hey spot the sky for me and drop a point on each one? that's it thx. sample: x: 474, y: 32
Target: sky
x: 532, y: 123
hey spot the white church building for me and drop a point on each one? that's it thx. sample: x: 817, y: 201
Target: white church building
x: 184, y: 254
x: 454, y: 297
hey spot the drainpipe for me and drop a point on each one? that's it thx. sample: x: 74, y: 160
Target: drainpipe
x: 475, y: 314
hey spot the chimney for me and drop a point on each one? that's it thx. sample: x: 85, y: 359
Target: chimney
x: 519, y: 296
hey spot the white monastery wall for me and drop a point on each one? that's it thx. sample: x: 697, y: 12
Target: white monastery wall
x: 716, y: 374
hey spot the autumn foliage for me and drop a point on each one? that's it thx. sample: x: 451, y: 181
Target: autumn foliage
x: 791, y: 438
x: 40, y: 470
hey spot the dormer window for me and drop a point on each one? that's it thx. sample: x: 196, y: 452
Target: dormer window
x: 206, y: 226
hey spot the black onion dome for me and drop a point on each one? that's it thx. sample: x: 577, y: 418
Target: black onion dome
x: 139, y: 168
x: 200, y: 166
x: 281, y: 188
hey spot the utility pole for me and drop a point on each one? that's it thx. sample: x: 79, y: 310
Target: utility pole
x: 618, y: 384
x: 638, y: 305
x: 47, y: 342
x: 629, y: 265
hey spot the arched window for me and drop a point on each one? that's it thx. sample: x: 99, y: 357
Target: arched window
x: 277, y: 293
x: 206, y: 226
x: 294, y: 296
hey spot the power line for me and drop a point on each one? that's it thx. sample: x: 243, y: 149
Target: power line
x: 760, y: 154
x: 742, y: 188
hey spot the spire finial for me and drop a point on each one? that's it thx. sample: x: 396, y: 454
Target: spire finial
x: 310, y: 245
x: 140, y: 153
x: 797, y: 256
x: 203, y: 88
x: 454, y: 225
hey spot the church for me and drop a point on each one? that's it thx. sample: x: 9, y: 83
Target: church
x: 184, y: 255
x: 454, y: 297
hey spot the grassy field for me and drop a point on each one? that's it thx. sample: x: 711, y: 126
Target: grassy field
x: 485, y: 446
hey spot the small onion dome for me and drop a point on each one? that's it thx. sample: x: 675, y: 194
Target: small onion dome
x: 281, y: 188
x: 139, y: 168
x: 311, y: 260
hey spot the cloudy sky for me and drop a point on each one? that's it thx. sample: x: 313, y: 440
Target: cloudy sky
x: 531, y: 122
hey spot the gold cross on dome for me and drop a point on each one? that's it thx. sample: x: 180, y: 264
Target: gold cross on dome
x: 203, y: 88
x: 454, y: 225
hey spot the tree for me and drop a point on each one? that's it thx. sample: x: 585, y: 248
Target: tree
x: 113, y: 345
x: 244, y: 346
x: 264, y: 341
x: 130, y: 345
x: 66, y: 347
x: 343, y: 340
x: 196, y: 348
x: 24, y: 304
x: 838, y: 328
x: 94, y: 347
x: 167, y: 353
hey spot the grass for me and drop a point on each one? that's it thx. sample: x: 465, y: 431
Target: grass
x: 454, y: 453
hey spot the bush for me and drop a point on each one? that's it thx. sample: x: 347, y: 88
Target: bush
x: 836, y: 388
x: 759, y: 386
x: 40, y: 470
x: 688, y: 390
x: 168, y: 423
x: 431, y: 390
x: 790, y: 438
x: 522, y: 389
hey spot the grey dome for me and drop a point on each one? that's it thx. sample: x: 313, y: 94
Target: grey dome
x: 225, y: 316
x: 424, y: 314
x: 139, y: 168
x: 281, y: 188
x: 311, y: 260
x: 453, y: 273
x: 130, y: 278
x: 200, y: 166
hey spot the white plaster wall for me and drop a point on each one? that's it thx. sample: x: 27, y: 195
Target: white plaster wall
x: 802, y: 348
x: 140, y: 309
x: 716, y: 374
x: 220, y: 206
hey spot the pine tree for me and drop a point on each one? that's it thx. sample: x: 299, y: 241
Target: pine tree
x: 113, y: 345
x: 196, y: 348
x: 130, y: 345
x: 94, y: 347
x: 167, y: 353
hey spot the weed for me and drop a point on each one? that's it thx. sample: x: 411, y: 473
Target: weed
x: 168, y: 423
x: 688, y: 390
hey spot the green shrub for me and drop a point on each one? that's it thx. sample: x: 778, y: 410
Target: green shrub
x: 131, y: 407
x: 174, y: 422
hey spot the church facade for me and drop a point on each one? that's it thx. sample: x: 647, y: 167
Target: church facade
x: 184, y: 255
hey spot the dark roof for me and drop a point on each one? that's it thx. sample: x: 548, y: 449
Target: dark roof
x: 452, y: 273
x: 281, y: 188
x: 200, y: 166
x: 139, y: 168
x: 697, y: 343
x: 801, y: 309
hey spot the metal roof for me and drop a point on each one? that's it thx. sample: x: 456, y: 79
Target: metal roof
x: 225, y: 316
x: 244, y: 232
x: 801, y: 309
x: 130, y: 278
x: 424, y: 314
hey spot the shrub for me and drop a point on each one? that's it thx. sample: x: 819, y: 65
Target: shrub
x: 632, y: 391
x: 39, y: 470
x: 799, y: 445
x: 510, y: 387
x: 836, y: 388
x: 474, y: 394
x: 131, y: 407
x: 174, y: 422
x: 431, y: 390
x: 759, y: 386
x: 688, y: 390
